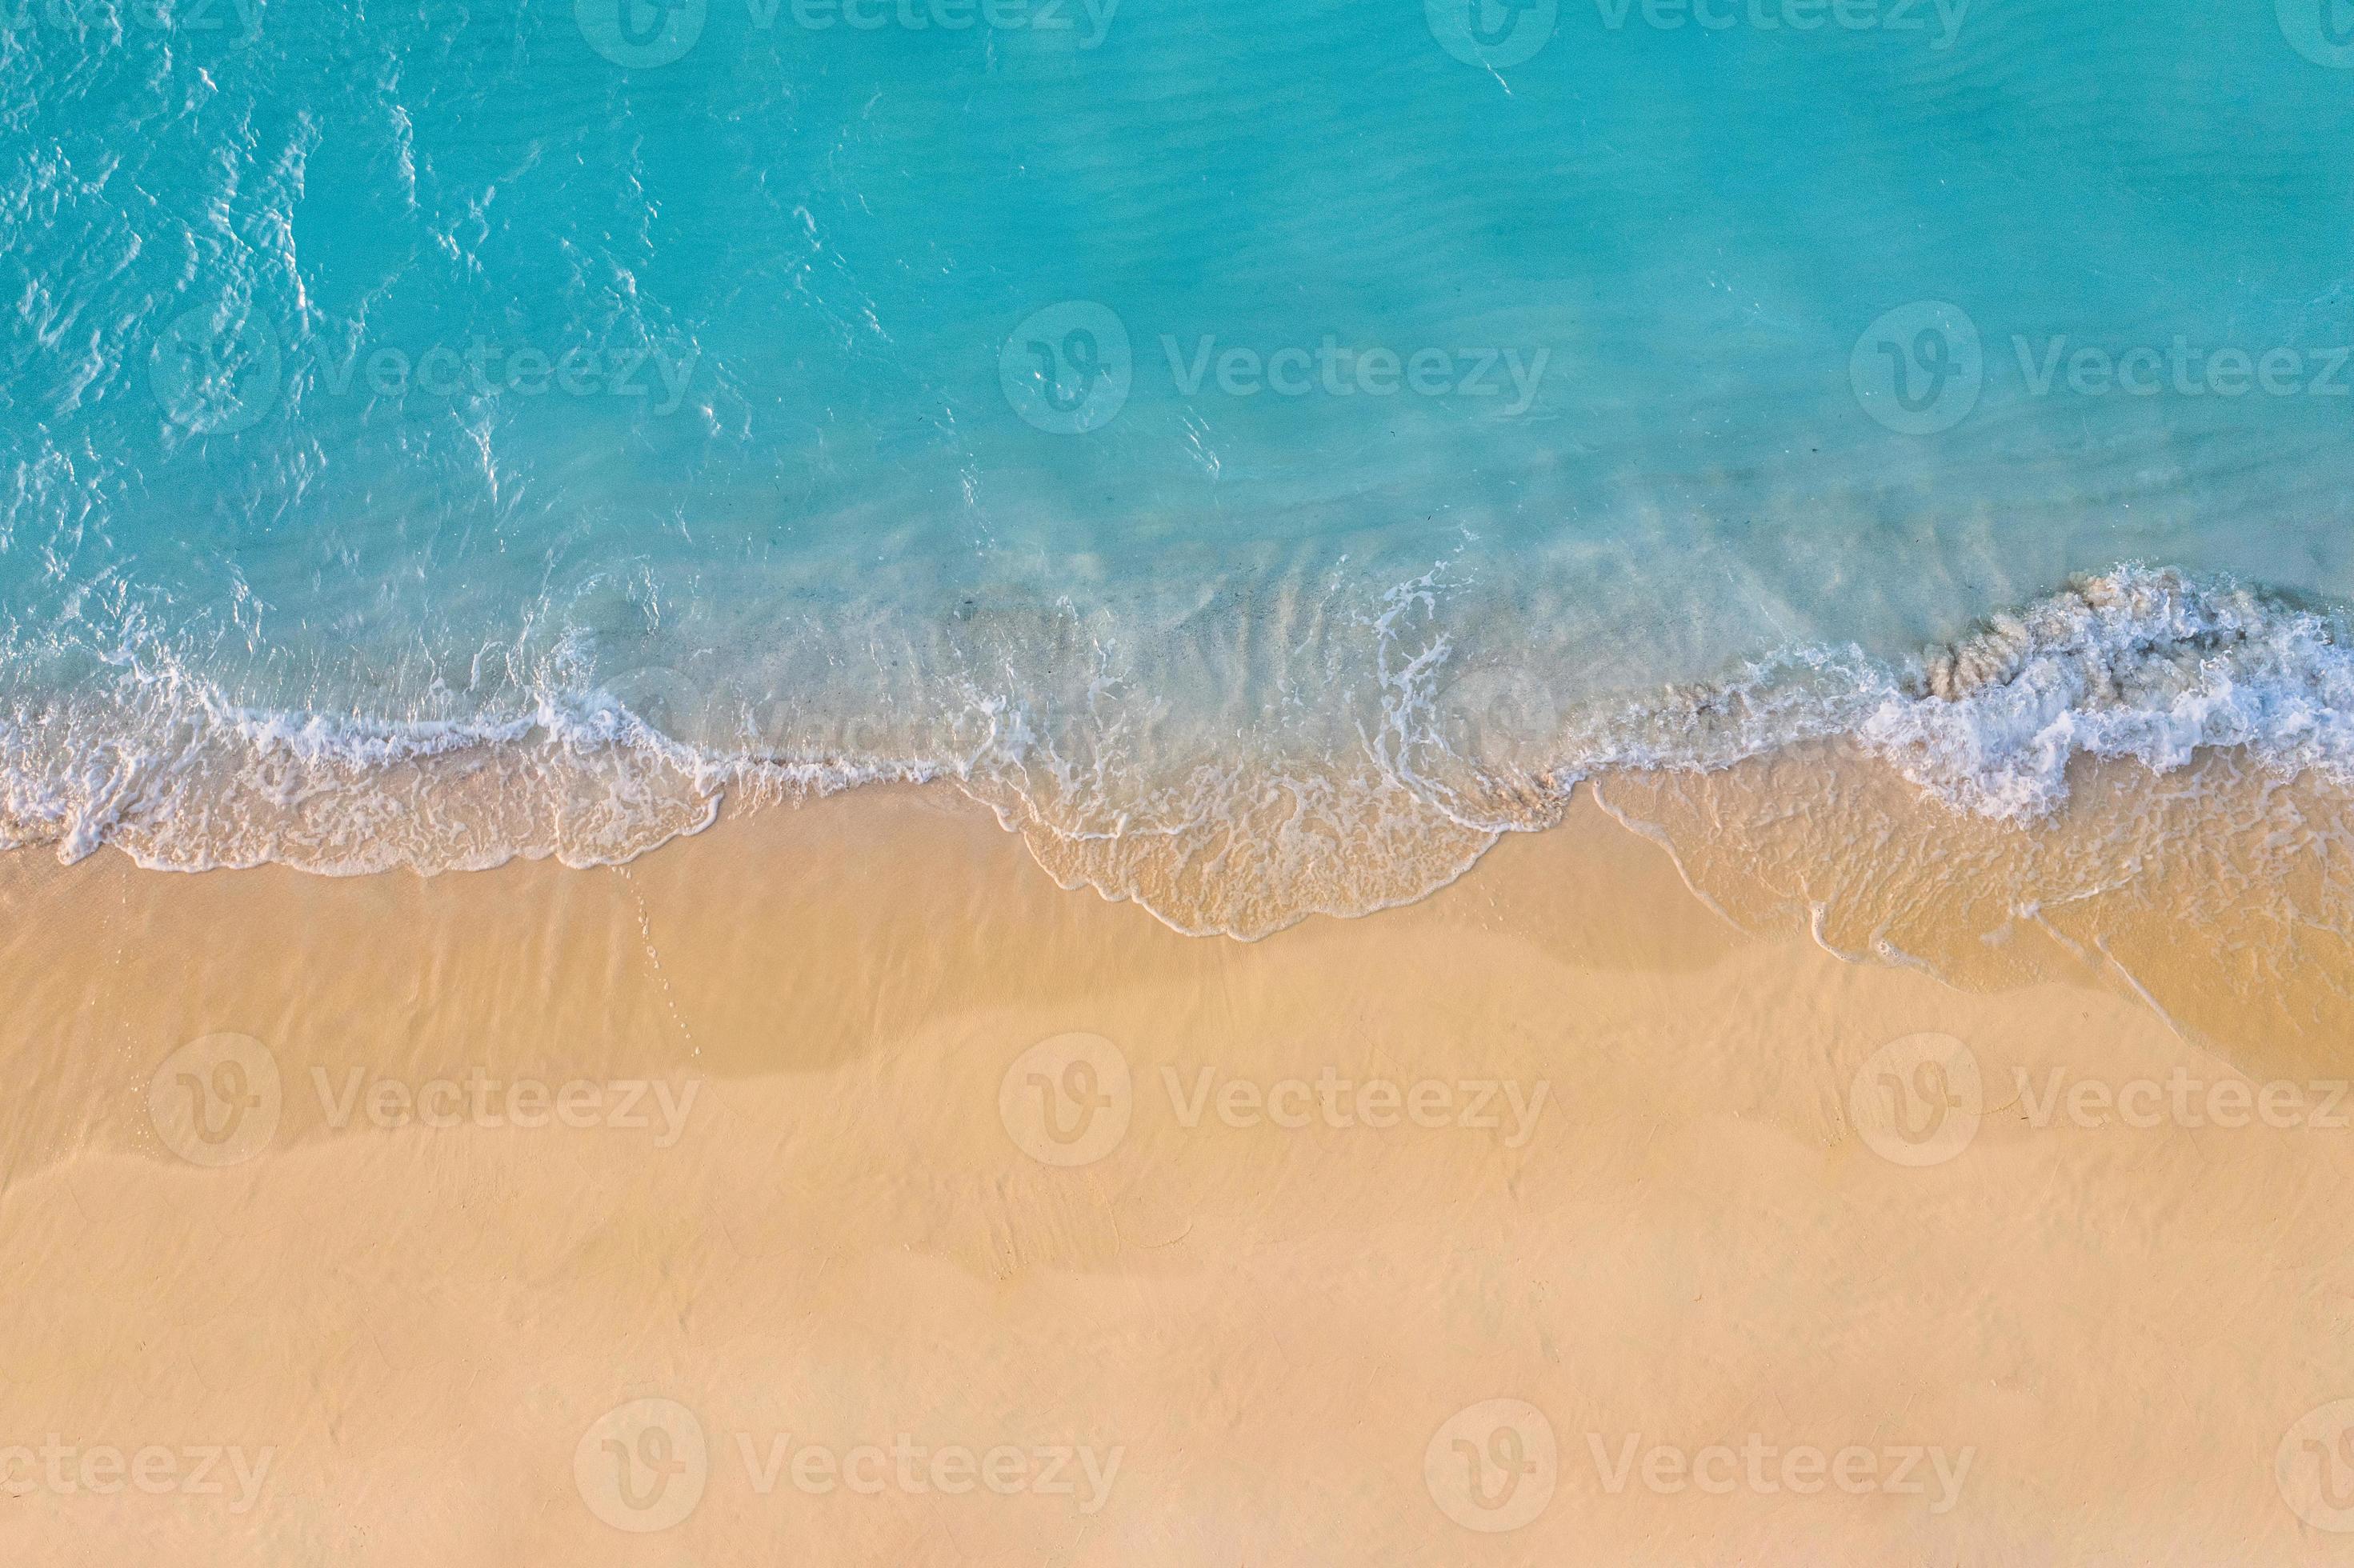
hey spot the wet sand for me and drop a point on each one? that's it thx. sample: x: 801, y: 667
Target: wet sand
x: 830, y: 1186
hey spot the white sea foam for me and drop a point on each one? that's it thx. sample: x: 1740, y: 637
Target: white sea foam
x: 2136, y: 663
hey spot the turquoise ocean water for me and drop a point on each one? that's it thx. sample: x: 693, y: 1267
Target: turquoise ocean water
x: 1266, y: 450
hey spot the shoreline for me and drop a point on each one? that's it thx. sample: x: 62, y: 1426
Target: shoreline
x: 1419, y: 757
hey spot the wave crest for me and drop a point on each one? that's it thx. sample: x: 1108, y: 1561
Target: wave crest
x: 1244, y: 840
x: 2141, y: 663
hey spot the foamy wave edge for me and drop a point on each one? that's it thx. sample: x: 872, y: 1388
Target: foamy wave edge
x: 2139, y: 662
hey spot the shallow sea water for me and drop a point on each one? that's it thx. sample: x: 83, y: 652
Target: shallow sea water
x: 1264, y: 452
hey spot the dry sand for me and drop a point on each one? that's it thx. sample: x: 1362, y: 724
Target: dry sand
x: 1685, y: 1246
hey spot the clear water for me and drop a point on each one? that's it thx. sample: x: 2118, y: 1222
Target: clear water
x: 1272, y: 446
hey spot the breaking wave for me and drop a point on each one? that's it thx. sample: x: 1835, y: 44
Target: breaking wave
x: 1242, y: 838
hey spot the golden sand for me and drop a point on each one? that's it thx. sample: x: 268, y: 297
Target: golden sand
x: 884, y: 1204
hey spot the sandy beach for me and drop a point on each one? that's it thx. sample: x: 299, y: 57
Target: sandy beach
x: 1176, y: 784
x: 832, y: 1185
